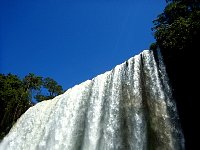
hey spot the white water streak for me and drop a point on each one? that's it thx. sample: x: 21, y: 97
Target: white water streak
x: 128, y: 108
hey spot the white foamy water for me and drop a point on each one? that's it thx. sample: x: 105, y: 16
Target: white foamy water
x: 128, y: 108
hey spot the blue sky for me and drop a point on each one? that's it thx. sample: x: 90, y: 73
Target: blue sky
x: 73, y: 40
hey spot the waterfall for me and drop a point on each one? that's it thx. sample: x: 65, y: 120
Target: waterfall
x: 128, y: 108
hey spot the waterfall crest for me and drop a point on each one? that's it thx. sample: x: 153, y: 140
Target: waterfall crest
x: 128, y: 108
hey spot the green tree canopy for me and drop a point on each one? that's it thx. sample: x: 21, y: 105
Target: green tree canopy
x: 178, y: 26
x: 14, y: 100
x: 53, y: 88
x: 32, y: 82
x: 16, y: 96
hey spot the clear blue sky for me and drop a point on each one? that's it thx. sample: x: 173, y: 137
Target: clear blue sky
x: 73, y: 40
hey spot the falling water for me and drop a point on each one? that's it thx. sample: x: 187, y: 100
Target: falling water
x: 128, y: 108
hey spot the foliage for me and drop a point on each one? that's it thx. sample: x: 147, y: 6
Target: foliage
x: 178, y: 26
x: 52, y: 87
x: 13, y: 101
x: 32, y: 82
x: 16, y: 96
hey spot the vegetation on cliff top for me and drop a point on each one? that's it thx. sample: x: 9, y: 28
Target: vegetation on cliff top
x: 17, y: 95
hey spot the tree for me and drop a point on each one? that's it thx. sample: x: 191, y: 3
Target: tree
x: 52, y: 87
x: 16, y: 96
x: 32, y: 84
x: 14, y: 101
x: 178, y: 26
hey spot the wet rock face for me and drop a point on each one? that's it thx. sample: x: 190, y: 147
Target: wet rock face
x: 184, y: 78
